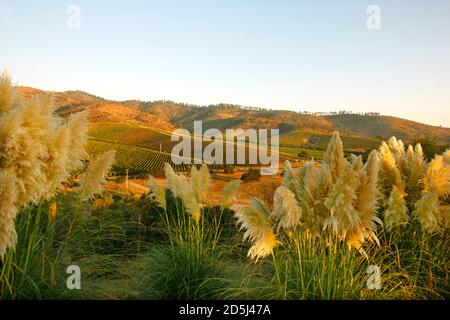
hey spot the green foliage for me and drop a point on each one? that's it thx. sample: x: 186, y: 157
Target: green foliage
x: 228, y: 169
x: 422, y: 258
x: 303, y: 155
x: 139, y: 161
x: 251, y: 175
x: 126, y: 251
x: 99, y: 241
x: 30, y: 269
x: 309, y: 268
x: 294, y: 151
x: 430, y: 146
x: 182, y: 271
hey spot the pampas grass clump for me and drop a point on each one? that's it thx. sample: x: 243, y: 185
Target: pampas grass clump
x: 192, y: 190
x: 432, y: 209
x: 38, y: 152
x: 410, y: 184
x: 337, y: 197
x: 188, y: 265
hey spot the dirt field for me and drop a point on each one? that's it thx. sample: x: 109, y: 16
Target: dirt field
x: 263, y: 189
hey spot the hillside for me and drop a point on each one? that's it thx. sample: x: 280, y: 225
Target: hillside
x: 386, y: 126
x: 102, y: 110
x: 148, y: 124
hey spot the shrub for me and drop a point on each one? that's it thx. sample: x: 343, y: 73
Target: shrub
x: 121, y: 171
x: 228, y: 169
x: 119, y: 179
x: 251, y: 175
x: 303, y: 155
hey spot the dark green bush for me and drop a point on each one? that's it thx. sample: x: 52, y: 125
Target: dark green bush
x: 251, y: 175
x: 228, y: 169
x: 303, y: 155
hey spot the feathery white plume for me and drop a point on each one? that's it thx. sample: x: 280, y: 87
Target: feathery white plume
x: 286, y: 212
x: 255, y: 219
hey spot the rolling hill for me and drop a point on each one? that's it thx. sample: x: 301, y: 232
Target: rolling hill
x: 102, y: 110
x: 386, y: 127
x: 149, y: 124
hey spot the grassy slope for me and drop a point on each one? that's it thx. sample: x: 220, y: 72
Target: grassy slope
x: 300, y: 138
x: 386, y: 127
x: 132, y: 135
x: 294, y: 151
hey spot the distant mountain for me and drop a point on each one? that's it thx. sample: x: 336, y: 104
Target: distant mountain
x: 295, y: 128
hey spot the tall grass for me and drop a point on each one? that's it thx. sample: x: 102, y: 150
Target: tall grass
x: 189, y: 265
x: 415, y: 206
x: 307, y: 268
x: 28, y: 269
x: 102, y: 244
x: 39, y: 152
x: 325, y: 209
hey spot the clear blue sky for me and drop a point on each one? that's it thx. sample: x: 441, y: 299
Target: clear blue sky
x: 299, y: 55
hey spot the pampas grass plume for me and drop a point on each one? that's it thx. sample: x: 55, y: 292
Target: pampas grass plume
x: 94, y: 177
x: 427, y: 212
x: 397, y: 212
x: 255, y: 220
x: 286, y: 211
x: 340, y: 202
x: 334, y: 156
x: 229, y: 193
x: 8, y: 211
x: 157, y: 192
x: 77, y: 125
x: 199, y: 180
x: 180, y: 188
